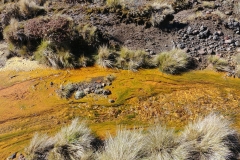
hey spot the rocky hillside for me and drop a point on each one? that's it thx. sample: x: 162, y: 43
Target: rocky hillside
x: 68, y: 34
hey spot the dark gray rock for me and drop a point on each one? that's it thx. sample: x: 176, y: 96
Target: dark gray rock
x: 181, y: 46
x: 202, y: 28
x: 111, y: 101
x: 98, y: 91
x: 195, y: 32
x: 107, y: 92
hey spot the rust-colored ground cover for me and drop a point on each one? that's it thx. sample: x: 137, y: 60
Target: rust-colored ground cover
x: 29, y: 103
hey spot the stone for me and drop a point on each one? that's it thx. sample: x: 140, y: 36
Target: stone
x: 236, y: 24
x: 181, y: 46
x: 202, y: 51
x: 103, y: 84
x: 189, y: 30
x: 228, y: 12
x: 107, y: 92
x: 98, y: 91
x: 111, y: 101
x: 228, y: 41
x: 237, y: 43
x: 195, y: 32
x: 203, y: 28
x: 79, y: 94
x: 87, y: 90
x: 208, y: 12
x: 215, y: 37
x: 238, y: 49
x: 210, y: 51
x: 220, y: 33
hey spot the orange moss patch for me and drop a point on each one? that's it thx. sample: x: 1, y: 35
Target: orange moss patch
x: 30, y: 104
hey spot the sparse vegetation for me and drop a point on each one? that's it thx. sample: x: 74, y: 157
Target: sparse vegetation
x: 173, y: 62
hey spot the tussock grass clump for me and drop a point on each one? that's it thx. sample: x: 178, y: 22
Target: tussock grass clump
x: 39, y: 147
x: 133, y: 59
x: 89, y: 33
x: 29, y: 8
x: 48, y: 53
x: 73, y: 142
x: 14, y: 35
x: 126, y: 145
x: 11, y: 11
x: 219, y: 64
x: 161, y: 13
x: 163, y: 144
x: 105, y: 57
x: 173, y: 62
x: 211, y: 138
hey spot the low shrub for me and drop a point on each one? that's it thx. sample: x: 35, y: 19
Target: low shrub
x: 35, y: 28
x: 59, y: 29
x: 173, y: 62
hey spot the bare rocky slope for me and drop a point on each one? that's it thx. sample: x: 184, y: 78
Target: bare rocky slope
x: 201, y: 28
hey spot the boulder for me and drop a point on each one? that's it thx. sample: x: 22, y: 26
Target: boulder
x: 79, y: 94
